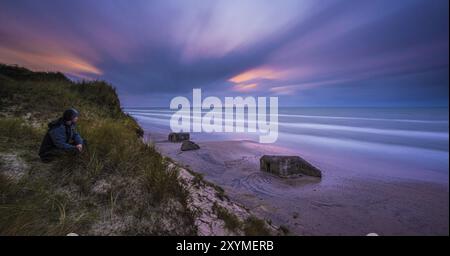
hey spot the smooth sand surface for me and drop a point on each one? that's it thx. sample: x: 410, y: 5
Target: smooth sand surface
x: 343, y: 202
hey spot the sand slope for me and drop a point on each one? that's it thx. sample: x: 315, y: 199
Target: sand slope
x: 342, y: 203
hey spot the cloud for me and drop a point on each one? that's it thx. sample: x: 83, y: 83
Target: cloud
x: 292, y: 48
x: 70, y: 65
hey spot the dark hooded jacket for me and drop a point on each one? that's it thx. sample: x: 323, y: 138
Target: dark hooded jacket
x: 60, y: 136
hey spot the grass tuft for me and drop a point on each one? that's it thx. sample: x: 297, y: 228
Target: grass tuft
x: 231, y: 221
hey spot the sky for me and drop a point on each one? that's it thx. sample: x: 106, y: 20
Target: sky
x: 316, y: 53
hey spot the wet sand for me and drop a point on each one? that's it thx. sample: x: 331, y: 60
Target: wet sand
x: 343, y: 202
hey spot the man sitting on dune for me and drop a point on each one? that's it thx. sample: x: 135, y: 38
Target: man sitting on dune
x: 61, y: 137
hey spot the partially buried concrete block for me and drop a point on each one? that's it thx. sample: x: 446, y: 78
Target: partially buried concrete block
x: 288, y: 165
x: 189, y: 145
x: 178, y: 136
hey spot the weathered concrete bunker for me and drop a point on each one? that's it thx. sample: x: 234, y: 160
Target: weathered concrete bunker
x: 288, y: 165
x: 178, y: 136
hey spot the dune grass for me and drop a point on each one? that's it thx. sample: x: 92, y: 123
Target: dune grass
x: 117, y: 186
x: 252, y: 226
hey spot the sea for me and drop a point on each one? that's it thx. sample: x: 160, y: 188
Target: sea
x: 400, y: 143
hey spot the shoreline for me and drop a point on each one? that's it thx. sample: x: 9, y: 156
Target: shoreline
x: 342, y: 203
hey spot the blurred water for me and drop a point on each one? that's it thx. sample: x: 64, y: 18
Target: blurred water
x: 398, y: 142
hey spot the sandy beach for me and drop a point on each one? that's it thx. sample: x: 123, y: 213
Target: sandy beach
x: 343, y: 202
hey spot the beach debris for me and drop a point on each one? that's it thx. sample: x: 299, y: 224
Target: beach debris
x: 288, y: 165
x: 178, y: 136
x: 189, y: 145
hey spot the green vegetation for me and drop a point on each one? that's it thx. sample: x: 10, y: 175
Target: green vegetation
x: 200, y: 181
x: 284, y: 230
x: 118, y: 186
x: 252, y: 226
x: 255, y: 227
x: 231, y: 221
